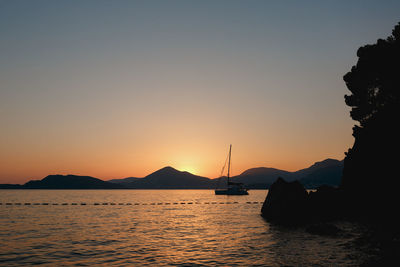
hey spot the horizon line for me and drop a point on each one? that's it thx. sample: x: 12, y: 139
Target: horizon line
x: 107, y: 179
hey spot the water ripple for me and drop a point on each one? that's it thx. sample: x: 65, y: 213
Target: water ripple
x: 159, y: 228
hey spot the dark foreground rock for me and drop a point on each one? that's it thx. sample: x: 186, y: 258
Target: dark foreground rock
x: 324, y: 229
x: 286, y: 203
x: 381, y: 244
x: 326, y: 204
x: 289, y: 203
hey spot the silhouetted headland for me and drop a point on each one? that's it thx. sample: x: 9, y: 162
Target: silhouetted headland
x: 370, y: 180
x: 70, y: 182
x: 64, y: 182
x: 369, y: 188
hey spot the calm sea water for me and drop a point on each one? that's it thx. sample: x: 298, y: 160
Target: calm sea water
x: 157, y: 227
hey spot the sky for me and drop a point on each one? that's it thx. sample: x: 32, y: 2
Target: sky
x: 115, y: 89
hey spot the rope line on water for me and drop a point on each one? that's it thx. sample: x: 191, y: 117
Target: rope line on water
x: 121, y: 203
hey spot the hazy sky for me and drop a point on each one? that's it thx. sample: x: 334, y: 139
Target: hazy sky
x: 114, y: 89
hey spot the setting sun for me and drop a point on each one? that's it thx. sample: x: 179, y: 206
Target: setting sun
x: 190, y: 169
x: 199, y: 133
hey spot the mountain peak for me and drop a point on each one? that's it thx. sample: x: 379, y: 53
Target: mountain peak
x: 325, y: 163
x: 167, y: 169
x: 169, y: 177
x: 257, y: 171
x: 59, y: 181
x: 328, y: 171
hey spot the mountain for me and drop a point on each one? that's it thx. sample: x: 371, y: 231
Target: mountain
x: 124, y: 180
x: 70, y: 182
x: 170, y: 178
x: 261, y: 177
x: 323, y: 172
x: 327, y: 163
x: 10, y: 186
x: 327, y: 172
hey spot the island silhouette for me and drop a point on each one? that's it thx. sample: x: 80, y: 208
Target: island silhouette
x: 326, y: 172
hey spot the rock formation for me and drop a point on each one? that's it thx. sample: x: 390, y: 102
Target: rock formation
x: 286, y: 203
x: 289, y: 203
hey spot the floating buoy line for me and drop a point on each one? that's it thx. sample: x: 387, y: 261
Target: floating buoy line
x: 121, y: 203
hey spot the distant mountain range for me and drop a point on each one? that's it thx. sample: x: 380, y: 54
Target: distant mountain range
x: 70, y: 182
x: 166, y: 178
x: 326, y: 172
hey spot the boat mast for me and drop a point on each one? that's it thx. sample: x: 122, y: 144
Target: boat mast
x: 229, y: 162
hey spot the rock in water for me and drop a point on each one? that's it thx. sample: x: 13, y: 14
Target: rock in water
x: 326, y: 203
x: 286, y: 203
x: 324, y: 229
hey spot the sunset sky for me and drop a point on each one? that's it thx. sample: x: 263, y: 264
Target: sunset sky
x: 114, y: 89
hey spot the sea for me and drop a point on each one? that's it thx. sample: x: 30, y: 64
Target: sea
x: 158, y: 228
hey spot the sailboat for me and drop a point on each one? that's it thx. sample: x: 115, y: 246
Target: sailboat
x: 232, y: 188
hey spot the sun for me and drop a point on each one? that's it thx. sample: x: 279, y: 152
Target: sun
x: 190, y: 169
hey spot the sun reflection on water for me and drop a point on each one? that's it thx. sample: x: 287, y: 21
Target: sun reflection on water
x: 232, y: 233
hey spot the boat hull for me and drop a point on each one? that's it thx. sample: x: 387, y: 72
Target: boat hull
x: 231, y: 192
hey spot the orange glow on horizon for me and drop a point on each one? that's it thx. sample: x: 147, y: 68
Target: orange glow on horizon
x: 152, y: 85
x: 206, y: 162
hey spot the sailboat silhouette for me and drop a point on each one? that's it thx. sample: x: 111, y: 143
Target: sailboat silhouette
x: 232, y: 188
